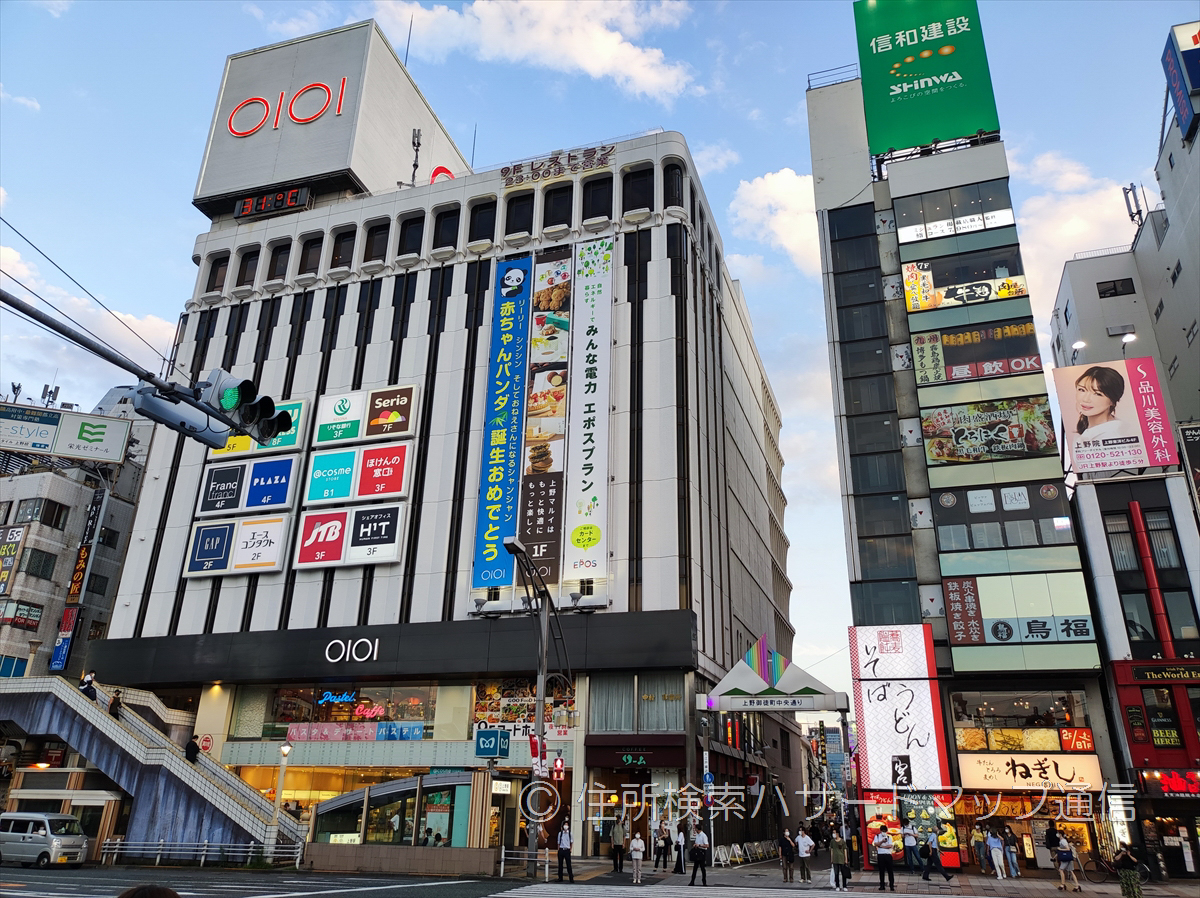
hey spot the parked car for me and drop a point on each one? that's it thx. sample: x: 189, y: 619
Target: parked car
x: 30, y: 838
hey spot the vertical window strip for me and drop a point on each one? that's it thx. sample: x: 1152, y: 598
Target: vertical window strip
x: 368, y: 304
x: 156, y: 545
x: 439, y: 289
x: 478, y: 278
x: 205, y: 328
x: 214, y: 599
x: 177, y: 607
x: 326, y: 596
x: 301, y: 310
x: 335, y: 308
x: 635, y: 267
x: 364, y: 595
x: 180, y: 330
x: 676, y: 250
x: 248, y: 605
x: 268, y: 318
x: 234, y: 328
x: 404, y: 294
x: 285, y: 607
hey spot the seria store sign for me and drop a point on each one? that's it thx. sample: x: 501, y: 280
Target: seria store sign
x: 318, y: 96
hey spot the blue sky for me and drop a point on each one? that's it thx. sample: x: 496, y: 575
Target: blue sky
x: 104, y: 108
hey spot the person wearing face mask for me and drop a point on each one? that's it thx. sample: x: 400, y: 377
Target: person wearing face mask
x: 787, y: 856
x: 804, y: 849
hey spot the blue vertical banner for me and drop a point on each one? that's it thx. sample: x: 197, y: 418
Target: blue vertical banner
x: 503, y: 422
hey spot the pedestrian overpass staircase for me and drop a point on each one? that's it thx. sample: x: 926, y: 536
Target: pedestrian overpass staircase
x: 173, y: 799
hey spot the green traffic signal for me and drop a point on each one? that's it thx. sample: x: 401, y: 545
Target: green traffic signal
x: 231, y: 399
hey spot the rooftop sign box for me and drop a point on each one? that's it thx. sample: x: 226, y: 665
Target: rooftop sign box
x: 328, y: 111
x: 924, y: 71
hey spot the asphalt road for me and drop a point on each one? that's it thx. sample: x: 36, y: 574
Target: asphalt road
x: 107, y: 882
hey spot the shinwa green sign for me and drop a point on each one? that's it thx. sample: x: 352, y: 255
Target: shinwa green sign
x: 924, y: 72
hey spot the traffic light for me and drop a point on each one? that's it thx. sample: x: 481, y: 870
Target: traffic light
x: 169, y: 411
x: 560, y: 769
x: 238, y: 399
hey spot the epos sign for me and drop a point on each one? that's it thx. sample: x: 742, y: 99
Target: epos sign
x: 313, y: 94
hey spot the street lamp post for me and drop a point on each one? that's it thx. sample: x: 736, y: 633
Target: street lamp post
x: 273, y: 829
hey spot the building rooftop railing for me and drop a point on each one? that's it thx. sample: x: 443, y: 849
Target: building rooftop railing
x: 1107, y: 251
x: 826, y: 77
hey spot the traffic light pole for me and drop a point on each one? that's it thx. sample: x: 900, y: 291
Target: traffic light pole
x: 182, y: 394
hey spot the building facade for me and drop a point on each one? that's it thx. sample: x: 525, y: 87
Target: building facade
x: 972, y: 621
x: 552, y: 350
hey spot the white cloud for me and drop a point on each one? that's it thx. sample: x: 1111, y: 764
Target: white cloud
x: 593, y: 39
x: 778, y: 209
x: 251, y: 9
x: 717, y: 157
x: 751, y: 270
x: 1077, y: 211
x: 29, y: 354
x: 28, y: 102
x: 754, y: 115
x: 3, y: 197
x: 55, y: 7
x: 316, y: 18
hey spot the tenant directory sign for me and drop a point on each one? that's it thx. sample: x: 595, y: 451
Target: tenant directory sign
x: 241, y: 546
x: 350, y: 536
x: 353, y: 474
x: 248, y: 485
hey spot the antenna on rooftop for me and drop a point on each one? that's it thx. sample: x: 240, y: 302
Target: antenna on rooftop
x: 1135, y: 208
x: 474, y: 134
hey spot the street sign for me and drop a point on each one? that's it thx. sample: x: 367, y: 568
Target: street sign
x: 492, y: 743
x: 709, y: 779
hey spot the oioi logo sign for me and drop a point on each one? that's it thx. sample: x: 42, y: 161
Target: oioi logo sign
x: 302, y: 108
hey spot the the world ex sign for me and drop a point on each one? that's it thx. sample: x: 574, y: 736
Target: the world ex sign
x: 491, y: 743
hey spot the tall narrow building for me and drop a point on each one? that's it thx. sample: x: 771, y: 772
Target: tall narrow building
x: 974, y: 645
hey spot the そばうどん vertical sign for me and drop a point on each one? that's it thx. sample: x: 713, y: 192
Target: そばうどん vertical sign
x: 503, y: 418
x: 924, y: 72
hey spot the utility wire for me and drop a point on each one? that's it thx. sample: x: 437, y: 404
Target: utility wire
x: 124, y: 324
x: 827, y: 657
x: 21, y: 317
x: 96, y: 337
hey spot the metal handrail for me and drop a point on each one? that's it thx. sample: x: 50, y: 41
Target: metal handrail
x: 1107, y: 251
x: 111, y: 849
x: 826, y: 77
x: 146, y: 743
x: 524, y: 856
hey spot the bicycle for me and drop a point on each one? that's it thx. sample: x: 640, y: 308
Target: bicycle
x: 1098, y: 870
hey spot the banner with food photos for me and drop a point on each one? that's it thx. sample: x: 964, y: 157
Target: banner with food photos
x: 540, y: 525
x: 585, y: 511
x: 503, y: 421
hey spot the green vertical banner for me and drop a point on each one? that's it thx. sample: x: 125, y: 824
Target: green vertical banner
x: 924, y: 72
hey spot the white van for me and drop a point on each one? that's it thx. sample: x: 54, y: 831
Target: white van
x: 44, y: 839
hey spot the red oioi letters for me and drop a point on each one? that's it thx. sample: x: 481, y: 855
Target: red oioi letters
x: 253, y: 103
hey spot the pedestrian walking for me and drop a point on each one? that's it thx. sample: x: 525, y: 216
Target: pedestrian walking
x: 1010, y: 851
x: 1065, y: 856
x: 699, y: 855
x: 618, y: 845
x: 839, y: 858
x: 637, y: 849
x: 1126, y: 864
x: 115, y: 704
x: 804, y: 850
x: 931, y: 854
x: 681, y: 844
x: 787, y: 856
x: 979, y: 843
x: 908, y: 834
x: 995, y: 849
x: 662, y: 844
x: 564, y: 851
x: 191, y: 751
x: 883, y: 857
x: 87, y: 684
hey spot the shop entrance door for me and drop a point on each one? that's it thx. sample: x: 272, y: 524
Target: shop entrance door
x: 91, y: 820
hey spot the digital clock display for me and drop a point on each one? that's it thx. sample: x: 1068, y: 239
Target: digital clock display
x: 289, y: 200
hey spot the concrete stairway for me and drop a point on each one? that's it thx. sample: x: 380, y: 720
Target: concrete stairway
x: 173, y: 800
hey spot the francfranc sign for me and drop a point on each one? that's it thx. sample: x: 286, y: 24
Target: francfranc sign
x: 291, y: 108
x: 352, y: 650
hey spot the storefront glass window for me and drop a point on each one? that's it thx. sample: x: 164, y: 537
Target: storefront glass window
x: 1164, y: 721
x: 1181, y: 615
x: 1194, y: 701
x: 338, y: 713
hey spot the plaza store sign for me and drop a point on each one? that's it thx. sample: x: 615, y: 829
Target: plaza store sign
x: 253, y: 485
x: 242, y: 546
x: 1022, y: 771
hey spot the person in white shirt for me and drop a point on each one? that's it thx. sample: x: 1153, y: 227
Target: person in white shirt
x: 681, y: 848
x: 637, y: 849
x: 883, y: 857
x: 804, y: 849
x: 564, y: 850
x: 700, y: 855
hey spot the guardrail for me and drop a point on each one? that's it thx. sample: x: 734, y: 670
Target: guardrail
x: 1106, y: 251
x: 517, y: 856
x: 243, y: 853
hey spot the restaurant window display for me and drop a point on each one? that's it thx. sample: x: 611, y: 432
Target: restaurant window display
x: 309, y: 785
x: 1033, y: 721
x: 336, y: 713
